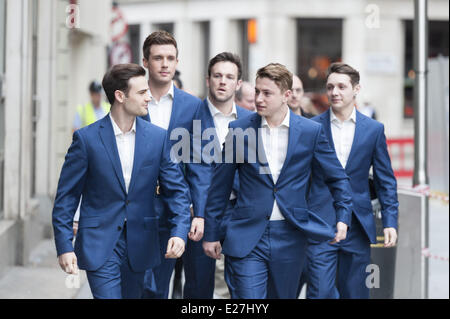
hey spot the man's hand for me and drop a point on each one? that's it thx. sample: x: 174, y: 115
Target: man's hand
x: 212, y: 249
x: 341, y: 232
x: 75, y: 228
x: 175, y: 247
x: 390, y: 237
x: 197, y: 228
x: 68, y: 263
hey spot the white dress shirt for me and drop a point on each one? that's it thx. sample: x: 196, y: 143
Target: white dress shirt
x: 125, y: 147
x: 343, y: 134
x: 221, y: 122
x: 161, y: 111
x: 275, y: 141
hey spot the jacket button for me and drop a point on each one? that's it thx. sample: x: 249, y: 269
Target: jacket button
x: 275, y: 190
x: 127, y: 202
x: 119, y: 228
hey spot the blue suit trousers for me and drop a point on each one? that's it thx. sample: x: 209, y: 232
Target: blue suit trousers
x: 339, y: 270
x: 272, y: 269
x: 115, y: 279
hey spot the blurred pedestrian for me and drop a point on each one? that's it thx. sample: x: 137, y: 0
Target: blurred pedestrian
x: 368, y: 110
x: 245, y: 96
x: 170, y: 108
x: 296, y: 98
x: 117, y: 239
x: 93, y: 110
x: 338, y: 270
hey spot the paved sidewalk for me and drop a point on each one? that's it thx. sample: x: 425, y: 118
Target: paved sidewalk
x: 41, y: 279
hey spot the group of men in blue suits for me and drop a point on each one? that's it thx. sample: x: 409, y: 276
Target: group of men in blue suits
x: 277, y: 191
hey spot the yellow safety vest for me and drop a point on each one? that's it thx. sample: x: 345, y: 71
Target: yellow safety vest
x: 87, y: 114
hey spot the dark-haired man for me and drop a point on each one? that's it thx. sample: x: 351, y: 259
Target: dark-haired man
x: 115, y: 164
x: 359, y: 143
x: 171, y: 109
x: 266, y: 236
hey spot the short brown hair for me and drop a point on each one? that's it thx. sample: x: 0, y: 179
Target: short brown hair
x: 117, y: 78
x: 226, y: 57
x: 277, y: 73
x: 158, y: 38
x: 342, y: 68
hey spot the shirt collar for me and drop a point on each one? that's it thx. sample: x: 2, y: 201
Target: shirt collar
x: 333, y: 117
x: 214, y: 110
x: 169, y: 93
x: 117, y: 130
x: 285, y: 122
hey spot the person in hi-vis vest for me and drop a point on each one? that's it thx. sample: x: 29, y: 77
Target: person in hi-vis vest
x: 93, y: 110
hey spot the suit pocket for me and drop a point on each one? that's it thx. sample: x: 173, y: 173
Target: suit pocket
x: 242, y: 212
x: 151, y: 223
x: 147, y: 164
x: 89, y: 222
x: 301, y: 214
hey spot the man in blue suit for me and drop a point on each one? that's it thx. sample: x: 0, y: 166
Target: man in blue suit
x: 359, y: 143
x: 115, y: 164
x: 266, y: 236
x: 173, y: 110
x: 216, y: 112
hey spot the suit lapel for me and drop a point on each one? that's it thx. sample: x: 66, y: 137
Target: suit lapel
x: 264, y: 168
x: 326, y: 123
x: 139, y: 152
x: 106, y: 132
x: 359, y: 132
x: 293, y: 138
x: 176, y: 108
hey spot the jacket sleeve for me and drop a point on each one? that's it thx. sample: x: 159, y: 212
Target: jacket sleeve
x: 335, y: 177
x: 385, y: 182
x: 70, y: 186
x: 219, y: 191
x: 176, y: 193
x: 198, y: 172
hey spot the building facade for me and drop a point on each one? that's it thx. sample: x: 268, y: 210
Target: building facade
x: 304, y: 35
x: 49, y: 52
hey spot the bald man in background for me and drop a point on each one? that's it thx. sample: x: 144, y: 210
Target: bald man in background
x: 245, y: 96
x: 295, y: 99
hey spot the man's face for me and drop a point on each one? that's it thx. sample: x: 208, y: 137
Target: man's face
x: 297, y: 93
x: 161, y: 63
x: 136, y: 101
x: 223, y: 81
x: 248, y: 98
x: 340, y: 91
x: 96, y: 98
x: 268, y: 97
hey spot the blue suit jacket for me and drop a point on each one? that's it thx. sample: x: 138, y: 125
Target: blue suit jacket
x: 307, y: 145
x: 185, y: 108
x: 207, y: 122
x: 92, y: 168
x: 368, y: 149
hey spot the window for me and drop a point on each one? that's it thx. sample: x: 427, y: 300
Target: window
x: 438, y: 32
x: 134, y: 31
x: 168, y: 27
x: 319, y: 43
x: 2, y: 105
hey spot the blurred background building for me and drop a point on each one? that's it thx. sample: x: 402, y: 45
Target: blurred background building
x: 50, y: 50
